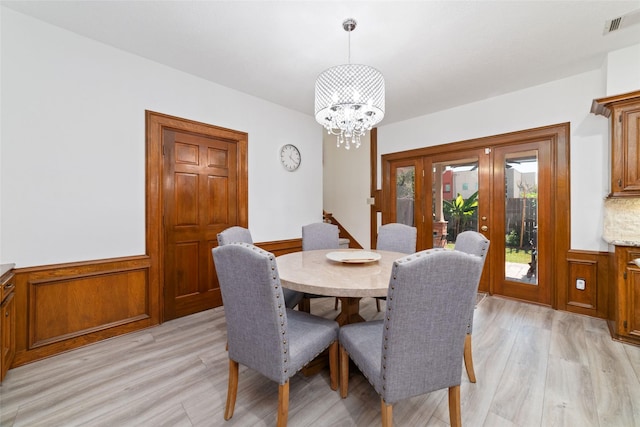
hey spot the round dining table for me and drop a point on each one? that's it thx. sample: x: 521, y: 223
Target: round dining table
x: 348, y: 274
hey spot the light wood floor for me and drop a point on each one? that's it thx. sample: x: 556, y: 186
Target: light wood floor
x: 535, y: 367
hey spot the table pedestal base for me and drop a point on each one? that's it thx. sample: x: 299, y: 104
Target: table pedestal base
x: 349, y: 311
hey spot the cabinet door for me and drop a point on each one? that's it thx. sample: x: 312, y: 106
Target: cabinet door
x: 8, y: 333
x: 625, y: 168
x: 633, y: 310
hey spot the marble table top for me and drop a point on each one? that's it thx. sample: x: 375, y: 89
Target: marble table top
x: 312, y: 272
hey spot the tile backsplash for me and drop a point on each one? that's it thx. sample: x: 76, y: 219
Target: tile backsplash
x: 622, y: 220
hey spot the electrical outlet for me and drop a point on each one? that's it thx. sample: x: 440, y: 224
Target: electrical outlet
x: 580, y: 283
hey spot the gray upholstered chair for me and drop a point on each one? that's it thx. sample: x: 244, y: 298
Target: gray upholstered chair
x: 318, y: 235
x: 396, y: 237
x: 474, y: 243
x: 262, y: 333
x: 234, y: 234
x: 243, y: 235
x: 418, y: 346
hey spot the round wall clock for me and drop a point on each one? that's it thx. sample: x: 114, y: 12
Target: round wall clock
x: 290, y: 157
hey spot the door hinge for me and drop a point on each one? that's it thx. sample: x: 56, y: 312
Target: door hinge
x: 423, y: 173
x: 624, y: 275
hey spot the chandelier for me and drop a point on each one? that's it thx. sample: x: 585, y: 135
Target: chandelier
x: 349, y: 98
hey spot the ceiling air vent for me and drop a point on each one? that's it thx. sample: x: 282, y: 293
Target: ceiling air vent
x: 624, y: 21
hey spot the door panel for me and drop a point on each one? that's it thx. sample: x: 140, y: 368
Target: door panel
x: 200, y: 190
x: 459, y: 198
x: 403, y: 186
x: 520, y: 234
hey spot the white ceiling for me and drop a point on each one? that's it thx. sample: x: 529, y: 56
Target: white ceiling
x: 434, y: 54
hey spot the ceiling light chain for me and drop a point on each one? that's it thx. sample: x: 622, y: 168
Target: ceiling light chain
x: 349, y: 98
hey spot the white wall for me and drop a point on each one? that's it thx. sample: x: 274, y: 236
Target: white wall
x: 1, y: 238
x: 623, y: 70
x: 72, y: 146
x: 566, y: 100
x: 346, y: 186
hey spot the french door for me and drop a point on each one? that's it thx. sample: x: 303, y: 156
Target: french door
x: 520, y: 228
x: 506, y: 188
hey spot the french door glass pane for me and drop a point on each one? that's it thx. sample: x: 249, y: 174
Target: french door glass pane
x: 521, y: 217
x: 405, y: 195
x: 455, y: 200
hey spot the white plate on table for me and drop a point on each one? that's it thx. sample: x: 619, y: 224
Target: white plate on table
x: 354, y: 257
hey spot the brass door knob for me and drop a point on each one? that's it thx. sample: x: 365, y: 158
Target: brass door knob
x: 484, y: 228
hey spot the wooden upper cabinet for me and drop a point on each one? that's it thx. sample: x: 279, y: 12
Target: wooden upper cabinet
x: 624, y: 111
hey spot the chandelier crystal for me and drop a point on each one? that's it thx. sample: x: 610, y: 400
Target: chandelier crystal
x: 349, y: 98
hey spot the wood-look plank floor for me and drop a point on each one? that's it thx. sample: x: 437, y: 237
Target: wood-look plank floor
x: 535, y: 367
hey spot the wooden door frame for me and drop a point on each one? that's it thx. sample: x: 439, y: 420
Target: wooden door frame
x: 559, y: 134
x: 155, y: 124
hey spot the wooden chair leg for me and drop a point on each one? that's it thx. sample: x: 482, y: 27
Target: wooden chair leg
x: 335, y: 306
x: 468, y: 359
x: 455, y: 417
x: 232, y: 389
x: 344, y: 372
x: 333, y: 365
x: 387, y: 414
x: 283, y: 404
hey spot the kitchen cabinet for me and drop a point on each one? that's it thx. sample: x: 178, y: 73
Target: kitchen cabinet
x: 7, y: 320
x: 624, y: 111
x: 624, y: 311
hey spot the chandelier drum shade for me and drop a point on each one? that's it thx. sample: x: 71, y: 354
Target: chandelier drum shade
x: 349, y: 99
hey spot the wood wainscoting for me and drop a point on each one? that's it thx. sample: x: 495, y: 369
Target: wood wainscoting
x: 65, y: 306
x: 593, y: 268
x: 281, y: 247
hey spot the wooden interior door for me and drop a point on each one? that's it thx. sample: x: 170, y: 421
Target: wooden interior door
x: 200, y: 200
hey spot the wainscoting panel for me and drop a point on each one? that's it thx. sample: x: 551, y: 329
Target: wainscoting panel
x: 281, y: 247
x: 592, y: 268
x: 65, y: 306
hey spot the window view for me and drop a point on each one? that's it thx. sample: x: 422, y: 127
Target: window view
x: 455, y: 206
x: 521, y: 213
x: 405, y: 195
